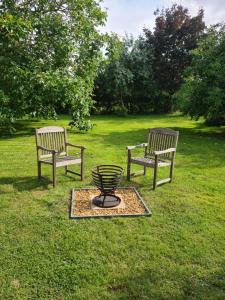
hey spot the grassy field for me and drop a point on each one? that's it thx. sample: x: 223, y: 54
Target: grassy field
x: 178, y: 253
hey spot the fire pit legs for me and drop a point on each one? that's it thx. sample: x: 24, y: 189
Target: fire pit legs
x: 106, y: 201
x: 103, y: 201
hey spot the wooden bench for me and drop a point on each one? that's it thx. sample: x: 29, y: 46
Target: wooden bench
x: 159, y: 152
x: 52, y: 149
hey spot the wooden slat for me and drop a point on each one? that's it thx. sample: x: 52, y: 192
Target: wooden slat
x: 64, y: 137
x: 50, y: 138
x: 138, y: 173
x: 54, y: 138
x: 153, y: 137
x: 53, y: 145
x: 48, y: 129
x: 159, y: 139
x: 163, y: 181
x: 58, y: 143
x: 47, y: 141
x: 54, y: 141
x: 63, y: 161
x: 166, y: 145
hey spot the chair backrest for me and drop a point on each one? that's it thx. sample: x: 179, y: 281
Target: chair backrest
x: 51, y: 137
x: 162, y: 139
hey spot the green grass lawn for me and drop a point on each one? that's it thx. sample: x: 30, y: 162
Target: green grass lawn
x: 178, y: 253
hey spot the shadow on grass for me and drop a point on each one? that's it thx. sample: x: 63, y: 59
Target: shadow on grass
x: 27, y: 127
x: 199, y: 147
x: 140, y: 135
x: 132, y: 137
x: 32, y: 183
x: 190, y: 286
x: 21, y: 184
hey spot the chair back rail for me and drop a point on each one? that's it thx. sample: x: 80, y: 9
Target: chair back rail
x: 51, y: 137
x: 162, y: 139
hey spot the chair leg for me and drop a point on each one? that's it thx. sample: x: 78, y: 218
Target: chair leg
x: 54, y: 169
x: 155, y: 177
x: 82, y: 171
x: 39, y: 170
x: 171, y: 171
x: 128, y: 165
x: 54, y: 174
x: 128, y: 171
x: 66, y: 169
x: 82, y: 166
x: 145, y: 170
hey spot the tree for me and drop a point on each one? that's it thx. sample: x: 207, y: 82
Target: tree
x: 50, y: 51
x: 124, y: 83
x: 143, y: 89
x: 114, y: 78
x: 175, y: 34
x: 203, y: 93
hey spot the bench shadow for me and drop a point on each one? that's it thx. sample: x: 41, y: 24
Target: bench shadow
x: 132, y: 137
x: 193, y: 287
x: 20, y: 184
x: 27, y: 128
x: 140, y: 135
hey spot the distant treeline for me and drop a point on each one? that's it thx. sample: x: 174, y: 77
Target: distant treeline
x: 178, y: 65
x: 52, y: 61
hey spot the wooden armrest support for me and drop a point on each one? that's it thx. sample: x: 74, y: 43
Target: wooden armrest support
x: 165, y: 151
x: 76, y: 146
x: 137, y: 146
x: 49, y: 150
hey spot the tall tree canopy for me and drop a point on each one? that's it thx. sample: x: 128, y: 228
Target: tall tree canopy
x: 49, y: 54
x: 146, y: 72
x: 124, y: 83
x: 115, y: 77
x: 203, y: 93
x: 174, y: 35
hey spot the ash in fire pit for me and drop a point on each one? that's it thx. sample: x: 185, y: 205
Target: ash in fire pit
x: 107, y: 179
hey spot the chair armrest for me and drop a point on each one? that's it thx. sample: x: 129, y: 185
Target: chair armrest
x: 76, y: 146
x: 46, y: 149
x: 137, y: 146
x: 165, y: 151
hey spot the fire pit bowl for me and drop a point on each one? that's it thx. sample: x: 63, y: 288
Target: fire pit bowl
x: 107, y: 179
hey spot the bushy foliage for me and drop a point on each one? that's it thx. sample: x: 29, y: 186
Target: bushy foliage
x: 49, y: 54
x: 203, y: 93
x: 112, y: 86
x: 176, y: 32
x: 124, y: 84
x: 146, y: 72
x: 143, y: 88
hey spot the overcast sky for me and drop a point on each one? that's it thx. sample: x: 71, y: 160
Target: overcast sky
x: 130, y: 16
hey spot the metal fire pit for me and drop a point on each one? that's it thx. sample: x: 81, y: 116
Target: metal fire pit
x: 107, y: 179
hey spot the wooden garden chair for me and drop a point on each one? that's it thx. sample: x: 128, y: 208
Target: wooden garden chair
x: 52, y: 149
x: 159, y: 152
